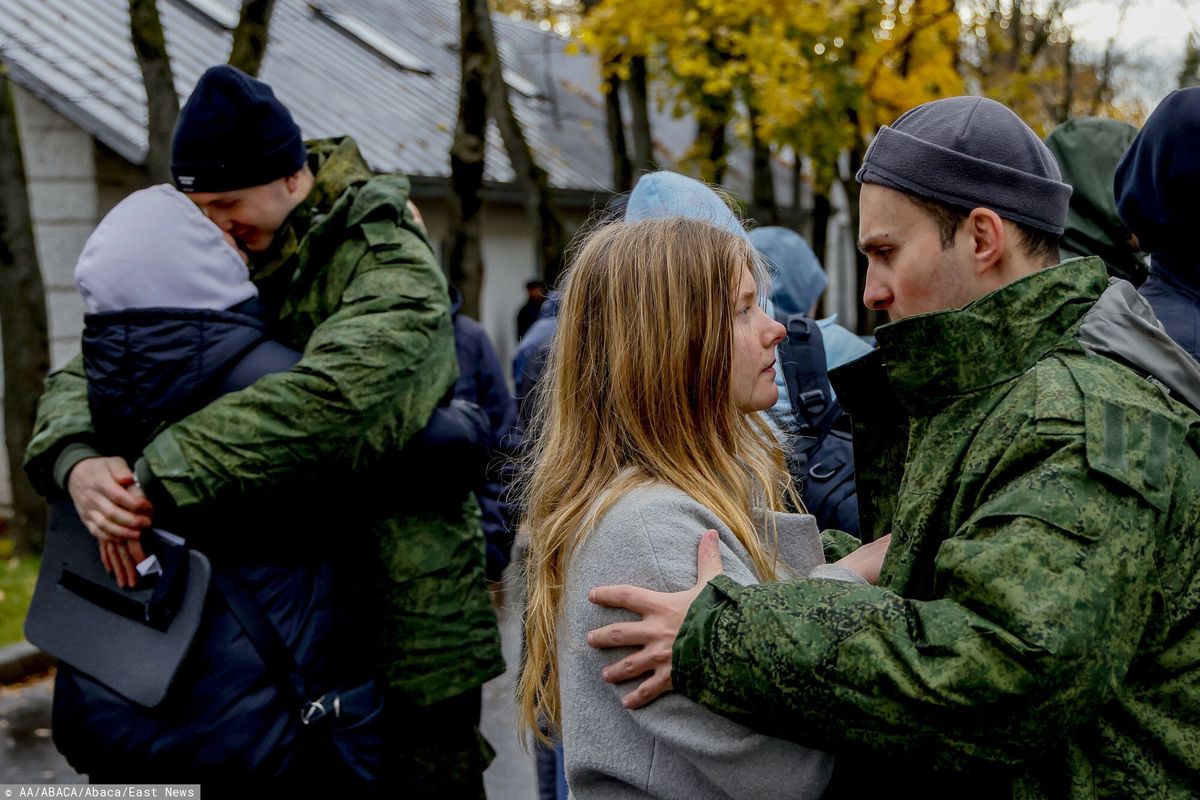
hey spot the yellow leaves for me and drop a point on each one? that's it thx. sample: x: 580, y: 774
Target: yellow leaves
x: 821, y: 74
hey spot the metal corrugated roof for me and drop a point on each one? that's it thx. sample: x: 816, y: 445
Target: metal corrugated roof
x: 77, y: 56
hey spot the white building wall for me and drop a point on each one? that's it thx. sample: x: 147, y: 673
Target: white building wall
x: 61, y: 169
x: 62, y: 195
x: 509, y: 260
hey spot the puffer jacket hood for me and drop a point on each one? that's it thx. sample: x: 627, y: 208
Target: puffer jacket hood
x: 1122, y: 326
x: 1156, y: 197
x: 1087, y: 150
x: 669, y: 194
x: 798, y: 280
x: 157, y: 249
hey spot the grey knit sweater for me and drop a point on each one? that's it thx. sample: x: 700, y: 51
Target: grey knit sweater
x: 673, y: 748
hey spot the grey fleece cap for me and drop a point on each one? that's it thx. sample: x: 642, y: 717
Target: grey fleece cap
x: 971, y: 152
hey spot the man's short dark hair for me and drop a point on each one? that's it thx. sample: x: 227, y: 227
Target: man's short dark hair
x: 1038, y: 245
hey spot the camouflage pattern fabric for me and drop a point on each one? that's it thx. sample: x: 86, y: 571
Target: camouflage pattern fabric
x: 316, y: 452
x: 1035, y: 631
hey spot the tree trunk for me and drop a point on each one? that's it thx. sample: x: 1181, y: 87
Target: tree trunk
x: 250, y: 36
x: 763, y: 207
x: 868, y: 318
x: 1064, y: 113
x: 639, y: 117
x: 822, y: 210
x: 796, y: 215
x: 162, y: 104
x: 529, y: 174
x: 1016, y: 38
x: 622, y: 169
x: 467, y: 159
x: 712, y: 144
x: 23, y: 327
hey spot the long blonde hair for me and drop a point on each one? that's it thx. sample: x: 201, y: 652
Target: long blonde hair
x: 638, y: 389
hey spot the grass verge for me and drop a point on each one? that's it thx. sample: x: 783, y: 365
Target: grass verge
x: 18, y: 574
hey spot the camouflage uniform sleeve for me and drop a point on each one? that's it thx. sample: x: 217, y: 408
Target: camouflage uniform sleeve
x: 1042, y: 597
x: 838, y: 544
x: 63, y: 420
x: 370, y: 376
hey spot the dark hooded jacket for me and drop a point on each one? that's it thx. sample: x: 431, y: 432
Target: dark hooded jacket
x: 146, y: 368
x: 1155, y: 187
x: 481, y: 381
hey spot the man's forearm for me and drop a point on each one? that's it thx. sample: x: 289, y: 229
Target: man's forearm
x: 63, y: 420
x: 367, y: 382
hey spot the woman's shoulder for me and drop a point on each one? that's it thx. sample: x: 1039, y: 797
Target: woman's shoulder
x: 657, y: 495
x: 648, y: 537
x: 651, y: 511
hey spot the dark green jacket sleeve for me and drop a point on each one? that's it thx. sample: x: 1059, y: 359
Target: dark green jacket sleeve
x: 1042, y: 597
x: 370, y: 376
x: 62, y: 420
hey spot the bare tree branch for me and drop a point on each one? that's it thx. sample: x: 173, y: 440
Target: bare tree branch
x: 250, y: 36
x: 162, y: 103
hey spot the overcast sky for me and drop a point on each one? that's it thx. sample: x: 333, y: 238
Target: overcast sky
x: 1153, y: 29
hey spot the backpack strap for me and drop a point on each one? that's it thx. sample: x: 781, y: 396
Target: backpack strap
x: 804, y: 370
x: 267, y: 641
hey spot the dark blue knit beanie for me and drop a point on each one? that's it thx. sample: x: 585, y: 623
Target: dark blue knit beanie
x: 233, y: 133
x: 970, y: 152
x: 1157, y: 178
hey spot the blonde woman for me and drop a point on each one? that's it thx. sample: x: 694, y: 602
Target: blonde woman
x: 646, y: 437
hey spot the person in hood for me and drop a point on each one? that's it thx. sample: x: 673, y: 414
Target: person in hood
x: 159, y: 342
x: 481, y: 382
x: 1035, y: 630
x: 315, y: 454
x: 1087, y: 150
x: 1155, y: 185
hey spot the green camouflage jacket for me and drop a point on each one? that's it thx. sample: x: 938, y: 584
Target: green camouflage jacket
x: 315, y: 453
x: 1034, y: 633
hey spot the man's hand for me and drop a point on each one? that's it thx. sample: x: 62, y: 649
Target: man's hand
x: 868, y: 559
x: 114, y: 510
x: 662, y: 616
x: 121, y: 557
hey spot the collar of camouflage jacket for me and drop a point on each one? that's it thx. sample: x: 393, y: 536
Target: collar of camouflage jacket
x: 934, y: 358
x: 337, y: 165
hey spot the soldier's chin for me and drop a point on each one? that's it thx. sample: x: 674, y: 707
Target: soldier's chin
x: 255, y: 242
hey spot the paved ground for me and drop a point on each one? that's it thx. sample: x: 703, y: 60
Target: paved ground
x: 27, y: 753
x: 511, y: 776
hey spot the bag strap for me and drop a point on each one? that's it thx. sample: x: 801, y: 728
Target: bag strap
x: 804, y: 370
x: 269, y: 644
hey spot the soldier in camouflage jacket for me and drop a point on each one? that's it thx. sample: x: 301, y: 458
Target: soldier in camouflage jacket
x: 315, y: 454
x: 1034, y: 631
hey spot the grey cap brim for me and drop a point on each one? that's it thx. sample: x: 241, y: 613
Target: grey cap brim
x: 908, y: 164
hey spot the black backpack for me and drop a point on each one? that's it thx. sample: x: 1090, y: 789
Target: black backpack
x: 821, y: 459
